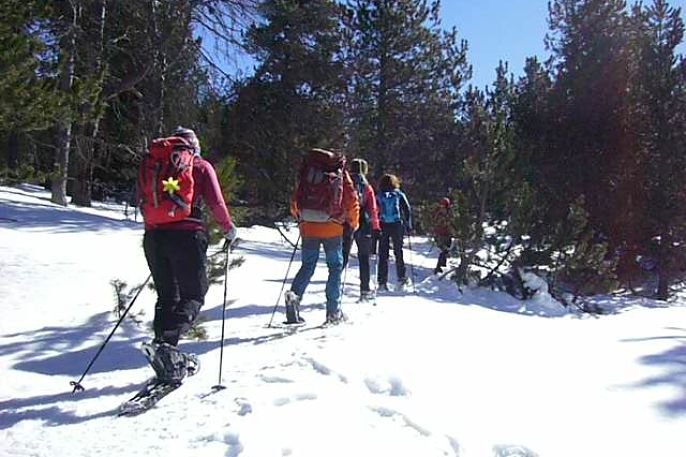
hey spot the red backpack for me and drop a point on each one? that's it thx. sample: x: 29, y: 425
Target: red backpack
x: 320, y: 187
x: 165, y: 181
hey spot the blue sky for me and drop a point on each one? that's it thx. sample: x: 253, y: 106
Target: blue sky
x: 509, y: 30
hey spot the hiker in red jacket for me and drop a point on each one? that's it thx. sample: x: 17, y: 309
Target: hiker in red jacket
x: 176, y: 253
x: 442, y: 232
x: 369, y: 226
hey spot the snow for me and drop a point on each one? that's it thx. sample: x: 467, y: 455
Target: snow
x: 432, y: 372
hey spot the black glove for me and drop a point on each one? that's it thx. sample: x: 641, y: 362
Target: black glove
x: 376, y: 234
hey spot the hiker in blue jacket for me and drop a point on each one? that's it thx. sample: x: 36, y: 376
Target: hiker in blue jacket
x: 396, y: 221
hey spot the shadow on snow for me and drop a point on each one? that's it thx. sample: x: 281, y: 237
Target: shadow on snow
x: 673, y: 364
x: 57, y: 219
x: 45, y: 407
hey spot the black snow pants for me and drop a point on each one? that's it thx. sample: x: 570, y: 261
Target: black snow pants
x: 391, y: 233
x: 178, y: 262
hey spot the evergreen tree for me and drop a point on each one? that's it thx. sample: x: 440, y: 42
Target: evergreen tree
x: 27, y: 97
x: 659, y: 117
x: 592, y: 148
x: 486, y: 179
x: 534, y: 204
x: 294, y: 100
x: 408, y: 73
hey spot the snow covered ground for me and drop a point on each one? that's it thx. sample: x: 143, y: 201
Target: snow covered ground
x: 431, y: 373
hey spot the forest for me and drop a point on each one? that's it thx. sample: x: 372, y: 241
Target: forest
x: 575, y: 170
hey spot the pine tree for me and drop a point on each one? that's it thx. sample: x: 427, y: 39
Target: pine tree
x: 533, y: 201
x: 294, y: 100
x: 591, y: 146
x: 405, y: 90
x: 27, y: 101
x: 659, y: 98
x: 487, y: 182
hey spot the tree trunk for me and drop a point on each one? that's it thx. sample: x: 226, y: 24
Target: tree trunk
x: 83, y: 174
x: 13, y: 152
x: 663, y: 267
x: 85, y: 162
x: 64, y: 126
x: 60, y: 175
x: 161, y: 65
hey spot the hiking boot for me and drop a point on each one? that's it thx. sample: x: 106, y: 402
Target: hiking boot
x: 335, y: 318
x: 438, y: 270
x: 383, y: 287
x: 192, y: 364
x: 170, y: 364
x: 293, y: 308
x: 366, y: 296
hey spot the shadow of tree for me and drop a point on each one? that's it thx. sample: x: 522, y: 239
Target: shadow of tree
x: 673, y: 363
x: 46, y: 409
x: 58, y: 219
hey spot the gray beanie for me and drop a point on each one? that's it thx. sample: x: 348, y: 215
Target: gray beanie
x: 184, y: 132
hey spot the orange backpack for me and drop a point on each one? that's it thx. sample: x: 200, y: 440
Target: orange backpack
x: 165, y: 181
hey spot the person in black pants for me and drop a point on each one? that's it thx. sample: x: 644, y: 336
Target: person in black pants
x: 369, y: 226
x: 176, y: 255
x: 396, y: 221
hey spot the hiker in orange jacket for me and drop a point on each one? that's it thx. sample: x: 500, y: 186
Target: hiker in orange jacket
x: 324, y: 201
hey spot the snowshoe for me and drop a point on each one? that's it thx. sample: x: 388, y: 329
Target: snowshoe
x: 150, y: 394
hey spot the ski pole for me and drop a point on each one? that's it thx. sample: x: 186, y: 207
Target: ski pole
x: 283, y: 285
x: 340, y: 298
x: 77, y: 384
x: 409, y: 244
x: 219, y: 385
x: 375, y: 272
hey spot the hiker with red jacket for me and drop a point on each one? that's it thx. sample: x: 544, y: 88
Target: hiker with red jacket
x: 369, y: 226
x: 174, y: 191
x: 324, y: 201
x: 442, y: 232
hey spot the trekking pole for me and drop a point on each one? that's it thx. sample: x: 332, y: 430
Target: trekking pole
x: 375, y: 272
x: 409, y: 244
x: 340, y: 298
x: 219, y: 385
x: 77, y: 384
x: 283, y: 285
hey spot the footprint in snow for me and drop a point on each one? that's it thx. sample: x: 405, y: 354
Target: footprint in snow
x: 506, y: 450
x: 323, y: 369
x: 235, y: 445
x: 392, y: 386
x: 274, y: 379
x: 300, y: 397
x: 244, y: 405
x: 402, y: 418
